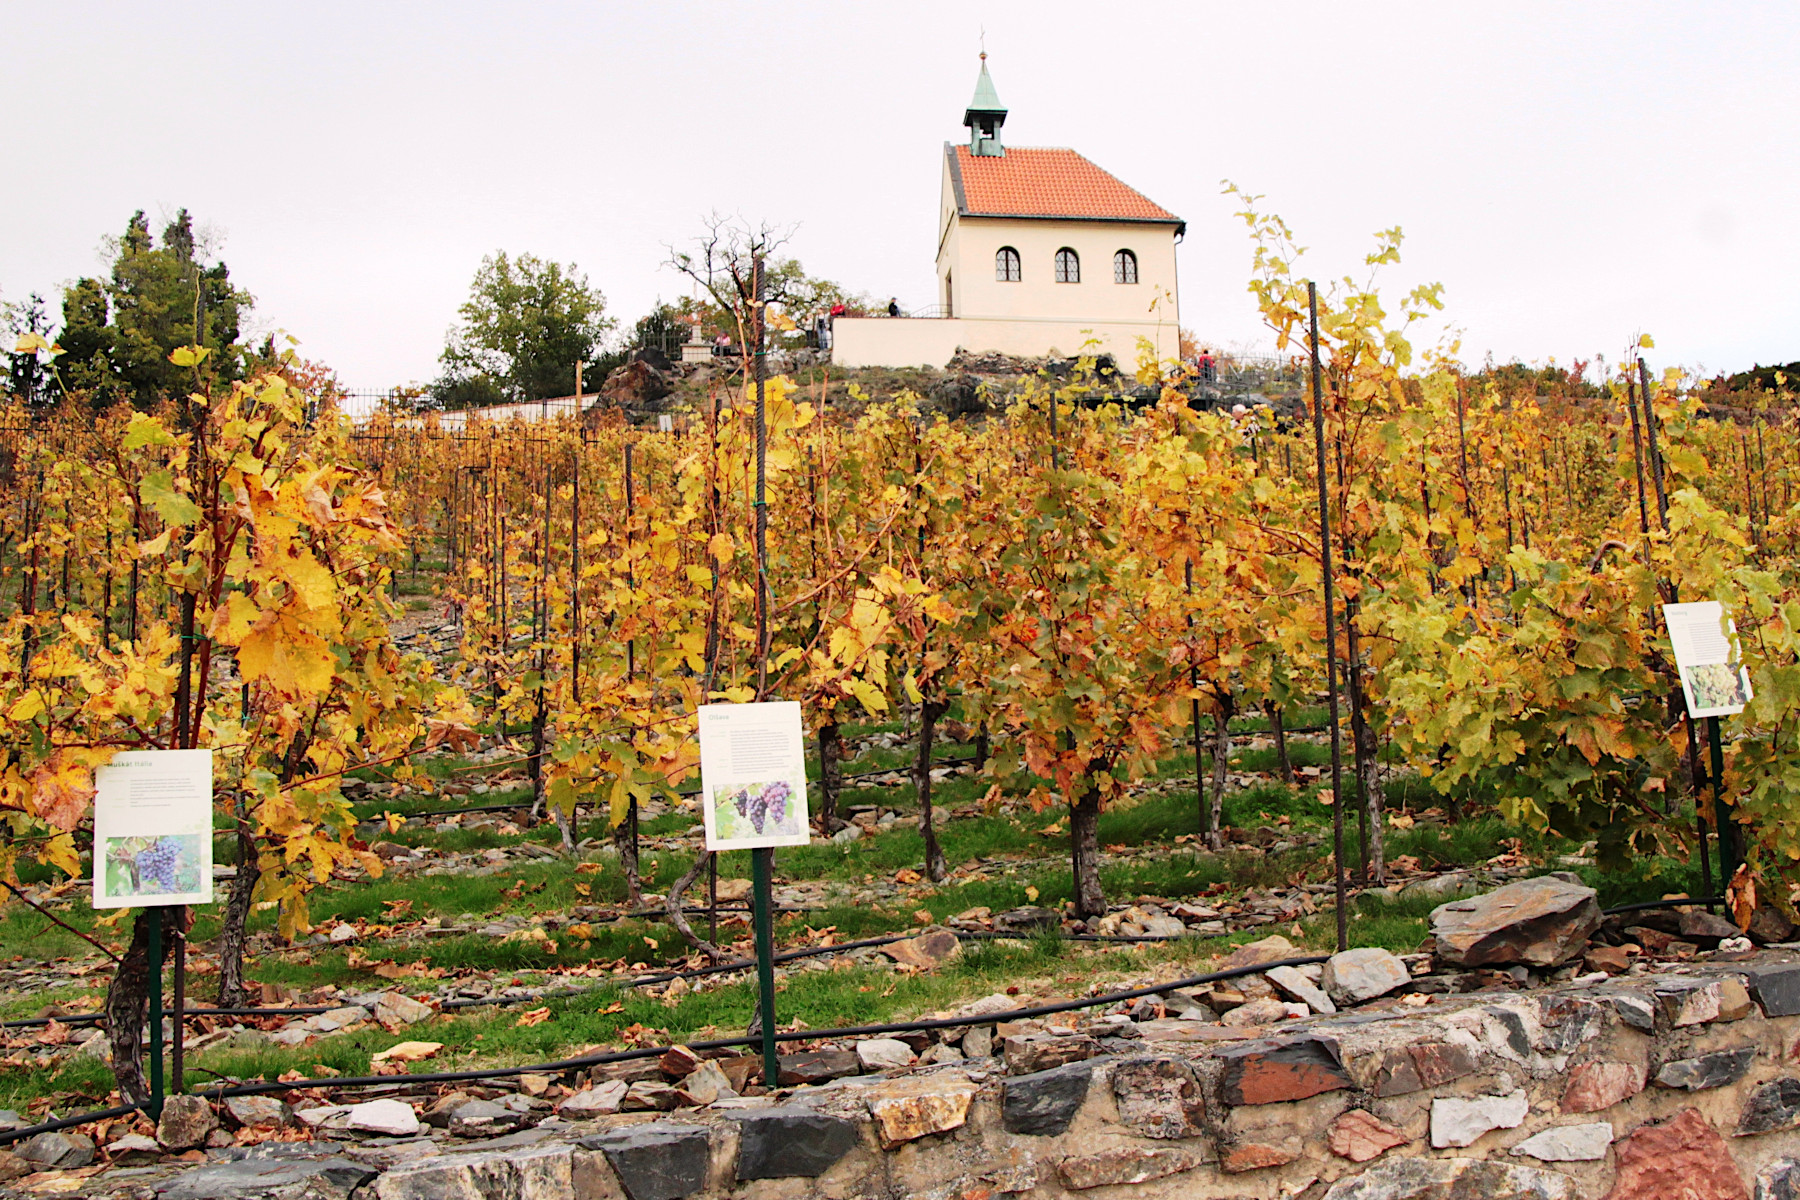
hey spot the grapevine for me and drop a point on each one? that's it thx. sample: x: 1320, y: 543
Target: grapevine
x: 222, y: 572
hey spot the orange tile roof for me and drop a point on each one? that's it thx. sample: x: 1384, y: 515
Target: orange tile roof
x: 1046, y: 182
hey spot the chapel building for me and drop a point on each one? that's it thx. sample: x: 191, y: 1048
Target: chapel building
x: 1039, y: 251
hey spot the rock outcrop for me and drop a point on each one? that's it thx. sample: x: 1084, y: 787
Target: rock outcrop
x: 1542, y: 922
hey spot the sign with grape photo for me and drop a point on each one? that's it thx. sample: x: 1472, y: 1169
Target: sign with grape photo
x: 153, y: 829
x: 753, y: 775
x: 1713, y: 681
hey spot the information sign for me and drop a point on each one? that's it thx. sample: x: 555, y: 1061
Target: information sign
x: 753, y: 775
x: 153, y: 829
x: 1714, y: 681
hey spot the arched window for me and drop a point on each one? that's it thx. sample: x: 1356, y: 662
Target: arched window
x: 1068, y: 266
x: 1006, y: 265
x: 1124, y: 267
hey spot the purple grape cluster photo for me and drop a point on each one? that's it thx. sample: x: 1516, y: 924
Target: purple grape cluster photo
x: 156, y: 865
x: 764, y: 805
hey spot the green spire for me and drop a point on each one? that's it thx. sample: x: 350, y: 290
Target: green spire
x: 985, y: 115
x: 986, y: 98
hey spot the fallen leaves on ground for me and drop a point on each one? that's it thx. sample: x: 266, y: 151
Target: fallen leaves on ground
x: 534, y: 1016
x: 531, y: 935
x: 407, y: 1052
x: 59, y: 1183
x: 637, y: 1034
x: 1512, y: 856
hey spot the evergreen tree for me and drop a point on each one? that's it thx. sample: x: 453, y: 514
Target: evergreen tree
x: 118, y: 333
x: 87, y: 337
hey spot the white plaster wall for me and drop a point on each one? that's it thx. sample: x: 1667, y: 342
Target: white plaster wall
x: 949, y: 270
x: 885, y: 342
x: 972, y: 242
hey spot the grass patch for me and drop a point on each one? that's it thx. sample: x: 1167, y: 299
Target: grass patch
x: 1018, y: 864
x: 491, y: 1036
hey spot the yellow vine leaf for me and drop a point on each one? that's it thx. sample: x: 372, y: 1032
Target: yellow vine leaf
x: 619, y: 802
x: 312, y: 582
x: 291, y: 658
x: 26, y: 707
x: 233, y: 619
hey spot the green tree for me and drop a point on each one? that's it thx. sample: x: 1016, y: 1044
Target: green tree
x: 87, y: 337
x: 118, y: 333
x: 804, y: 296
x: 668, y: 325
x: 525, y: 325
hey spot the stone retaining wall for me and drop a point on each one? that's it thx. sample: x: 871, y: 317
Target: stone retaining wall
x: 1675, y: 1085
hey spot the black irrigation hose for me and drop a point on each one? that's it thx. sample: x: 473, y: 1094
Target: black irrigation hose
x: 460, y: 1002
x: 726, y: 968
x: 426, y: 814
x: 414, y: 1080
x: 105, y: 1114
x: 742, y: 964
x: 589, y: 1060
x: 907, y: 769
x: 72, y: 1019
x: 900, y: 770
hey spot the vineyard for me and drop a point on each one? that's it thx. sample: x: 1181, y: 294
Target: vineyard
x: 1065, y: 661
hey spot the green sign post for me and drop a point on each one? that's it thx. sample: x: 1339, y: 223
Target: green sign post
x: 762, y: 863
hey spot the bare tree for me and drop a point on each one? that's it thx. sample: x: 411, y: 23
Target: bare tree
x: 723, y: 262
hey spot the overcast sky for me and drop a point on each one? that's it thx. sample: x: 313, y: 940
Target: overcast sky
x: 1573, y: 173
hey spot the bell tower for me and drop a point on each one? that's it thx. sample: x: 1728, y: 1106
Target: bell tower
x: 984, y: 117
